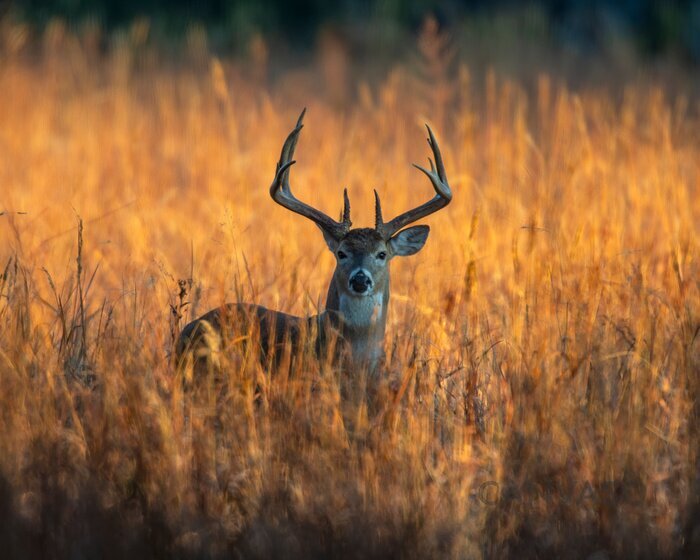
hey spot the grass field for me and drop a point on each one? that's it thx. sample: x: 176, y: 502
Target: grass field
x: 546, y: 341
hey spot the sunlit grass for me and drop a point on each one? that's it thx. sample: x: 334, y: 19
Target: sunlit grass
x: 546, y: 340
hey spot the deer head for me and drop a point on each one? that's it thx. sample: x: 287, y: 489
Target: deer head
x: 363, y: 254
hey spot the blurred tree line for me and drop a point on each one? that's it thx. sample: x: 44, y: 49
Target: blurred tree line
x: 652, y: 26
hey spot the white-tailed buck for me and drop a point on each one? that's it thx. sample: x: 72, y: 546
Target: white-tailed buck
x: 358, y: 295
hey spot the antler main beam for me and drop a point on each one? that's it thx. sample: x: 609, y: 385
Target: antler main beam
x: 281, y: 192
x: 442, y: 198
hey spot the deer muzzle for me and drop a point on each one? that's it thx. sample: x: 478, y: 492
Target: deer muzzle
x: 361, y: 281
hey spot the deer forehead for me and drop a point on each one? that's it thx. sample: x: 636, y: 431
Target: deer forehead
x: 362, y: 240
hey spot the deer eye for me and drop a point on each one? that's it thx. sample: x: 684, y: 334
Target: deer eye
x: 381, y: 255
x: 342, y: 255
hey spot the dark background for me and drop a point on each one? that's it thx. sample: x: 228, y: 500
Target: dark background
x: 651, y: 28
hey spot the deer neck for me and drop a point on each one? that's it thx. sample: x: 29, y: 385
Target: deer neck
x: 361, y: 320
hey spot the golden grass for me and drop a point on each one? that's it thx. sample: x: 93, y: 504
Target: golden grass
x: 546, y: 339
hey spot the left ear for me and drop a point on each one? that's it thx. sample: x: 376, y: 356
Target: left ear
x: 330, y: 241
x: 409, y: 241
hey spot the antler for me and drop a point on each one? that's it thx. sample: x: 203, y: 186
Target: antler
x: 281, y: 192
x: 437, y: 177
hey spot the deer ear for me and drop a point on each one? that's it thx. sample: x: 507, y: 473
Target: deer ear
x: 329, y: 239
x: 409, y: 241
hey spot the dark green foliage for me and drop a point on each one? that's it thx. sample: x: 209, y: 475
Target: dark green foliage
x: 654, y: 27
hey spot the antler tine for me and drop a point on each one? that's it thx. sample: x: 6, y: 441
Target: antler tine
x: 346, y: 208
x: 442, y: 198
x: 286, y: 156
x: 281, y: 192
x: 378, y: 220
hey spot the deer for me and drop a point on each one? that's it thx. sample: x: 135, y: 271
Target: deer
x: 357, y: 301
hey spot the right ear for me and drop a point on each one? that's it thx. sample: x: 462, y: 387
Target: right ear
x: 409, y: 241
x: 329, y: 239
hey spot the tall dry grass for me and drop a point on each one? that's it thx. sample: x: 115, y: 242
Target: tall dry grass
x: 546, y: 341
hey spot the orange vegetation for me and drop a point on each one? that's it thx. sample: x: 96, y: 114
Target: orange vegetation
x: 546, y: 341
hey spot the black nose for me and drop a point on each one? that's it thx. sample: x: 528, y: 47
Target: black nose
x: 360, y: 282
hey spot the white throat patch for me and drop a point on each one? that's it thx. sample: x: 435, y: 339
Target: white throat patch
x: 361, y: 311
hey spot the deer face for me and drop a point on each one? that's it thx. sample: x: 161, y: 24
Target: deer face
x: 363, y: 257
